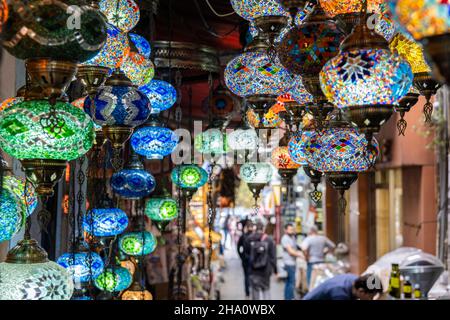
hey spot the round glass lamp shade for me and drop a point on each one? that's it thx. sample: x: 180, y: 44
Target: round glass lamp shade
x: 281, y: 159
x: 243, y: 139
x: 10, y: 102
x: 28, y: 132
x: 161, y: 209
x: 114, y: 52
x: 136, y: 295
x: 123, y: 14
x: 118, y: 106
x: 422, y: 18
x: 44, y: 32
x: 306, y: 48
x: 133, y: 183
x: 162, y: 95
x: 365, y: 77
x: 299, y: 93
x: 297, y: 147
x: 340, y: 150
x: 337, y: 7
x: 141, y: 44
x: 253, y: 73
x: 35, y: 281
x: 11, y: 216
x: 411, y: 51
x: 251, y: 9
x: 154, y: 142
x: 211, y: 141
x: 105, y: 222
x: 189, y: 176
x: 16, y: 185
x: 138, y: 69
x: 113, y: 279
x: 137, y: 243
x: 82, y: 266
x: 256, y: 172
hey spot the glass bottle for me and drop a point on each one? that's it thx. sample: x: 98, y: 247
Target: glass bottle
x: 394, y: 282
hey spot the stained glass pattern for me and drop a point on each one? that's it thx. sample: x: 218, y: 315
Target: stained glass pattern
x: 141, y: 44
x: 251, y: 9
x: 281, y: 159
x: 35, y: 281
x: 113, y: 279
x: 82, y: 266
x: 299, y: 93
x: 138, y: 69
x: 124, y: 14
x: 16, y: 185
x: 154, y: 142
x: 411, y: 51
x: 11, y: 217
x: 211, y: 141
x: 363, y: 77
x: 297, y: 147
x: 23, y: 137
x: 336, y: 7
x: 161, y: 209
x: 105, y: 222
x: 256, y: 172
x: 10, y: 102
x: 137, y: 243
x: 189, y: 176
x: 162, y: 95
x: 243, y: 139
x: 133, y: 183
x: 270, y: 120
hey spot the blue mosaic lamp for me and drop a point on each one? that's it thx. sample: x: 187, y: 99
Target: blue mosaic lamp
x: 114, y: 279
x: 137, y: 243
x: 189, y: 177
x: 133, y: 182
x: 297, y: 146
x: 252, y: 9
x: 105, y: 222
x: 124, y: 14
x: 162, y: 95
x: 82, y: 265
x: 11, y: 217
x: 154, y: 141
x: 141, y: 44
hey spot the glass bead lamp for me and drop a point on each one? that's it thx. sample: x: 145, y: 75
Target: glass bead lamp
x: 256, y: 175
x: 137, y: 243
x: 211, y: 141
x: 83, y: 266
x: 29, y: 132
x: 161, y: 210
x: 28, y: 201
x: 162, y: 95
x: 138, y: 69
x: 297, y: 146
x: 133, y: 182
x: 244, y: 138
x: 287, y: 168
x: 105, y: 222
x: 113, y: 279
x: 141, y: 44
x: 11, y: 216
x: 140, y: 294
x: 43, y: 31
x: 154, y: 141
x: 10, y: 102
x: 189, y: 177
x: 123, y: 14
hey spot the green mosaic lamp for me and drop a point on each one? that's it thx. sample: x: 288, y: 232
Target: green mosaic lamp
x: 44, y: 137
x: 189, y: 177
x: 138, y: 243
x: 161, y: 210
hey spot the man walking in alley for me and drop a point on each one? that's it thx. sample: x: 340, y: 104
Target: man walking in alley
x: 246, y: 232
x: 290, y: 254
x: 314, y: 247
x: 261, y: 251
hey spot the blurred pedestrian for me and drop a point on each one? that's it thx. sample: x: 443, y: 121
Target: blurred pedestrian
x: 290, y: 254
x: 246, y: 232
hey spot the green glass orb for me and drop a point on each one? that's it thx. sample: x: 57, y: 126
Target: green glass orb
x: 51, y: 29
x: 26, y: 131
x: 114, y: 279
x: 211, y: 141
x: 161, y: 209
x: 137, y: 243
x: 189, y: 176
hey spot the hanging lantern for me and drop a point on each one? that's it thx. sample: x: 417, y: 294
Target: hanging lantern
x: 316, y: 177
x: 105, y: 222
x: 11, y: 216
x: 27, y: 274
x: 282, y: 160
x: 244, y: 138
x: 16, y: 185
x: 367, y: 79
x: 133, y: 182
x: 162, y: 95
x: 154, y: 141
x: 189, y: 177
x: 141, y: 44
x: 256, y: 175
x: 137, y: 243
x: 113, y: 279
x: 271, y: 120
x: 161, y: 210
x: 28, y: 133
x: 83, y: 265
x: 222, y: 103
x: 427, y: 21
x: 297, y: 146
x: 123, y: 14
x: 211, y: 141
x: 136, y: 292
x: 43, y: 31
x: 412, y: 52
x: 138, y: 69
x: 404, y: 105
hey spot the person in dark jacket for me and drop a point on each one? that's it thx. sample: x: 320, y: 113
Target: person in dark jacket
x: 260, y: 276
x: 246, y: 231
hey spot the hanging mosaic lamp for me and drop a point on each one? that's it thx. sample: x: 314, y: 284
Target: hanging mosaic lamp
x: 270, y: 120
x: 161, y: 210
x: 297, y: 146
x: 367, y: 79
x: 428, y: 21
x: 137, y: 243
x: 83, y: 265
x: 113, y: 279
x: 16, y: 185
x: 138, y: 69
x: 123, y: 14
x: 12, y: 218
x: 162, y: 95
x: 28, y: 132
x: 316, y: 177
x: 404, y: 105
x: 244, y: 138
x: 27, y: 274
x: 211, y: 141
x: 105, y: 222
x: 118, y: 107
x: 136, y: 292
x: 222, y: 104
x: 43, y: 31
x: 293, y: 110
x: 133, y: 182
x: 256, y: 175
x: 287, y: 168
x: 189, y: 177
x: 154, y: 141
x: 141, y: 45
x: 427, y: 87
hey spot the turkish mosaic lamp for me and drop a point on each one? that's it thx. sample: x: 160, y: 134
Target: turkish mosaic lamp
x: 123, y: 14
x: 282, y: 160
x: 211, y: 141
x: 141, y: 44
x: 256, y: 175
x: 162, y: 95
x: 107, y: 222
x: 189, y: 177
x: 113, y: 279
x: 161, y: 209
x: 138, y: 69
x: 83, y: 266
x: 137, y: 243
